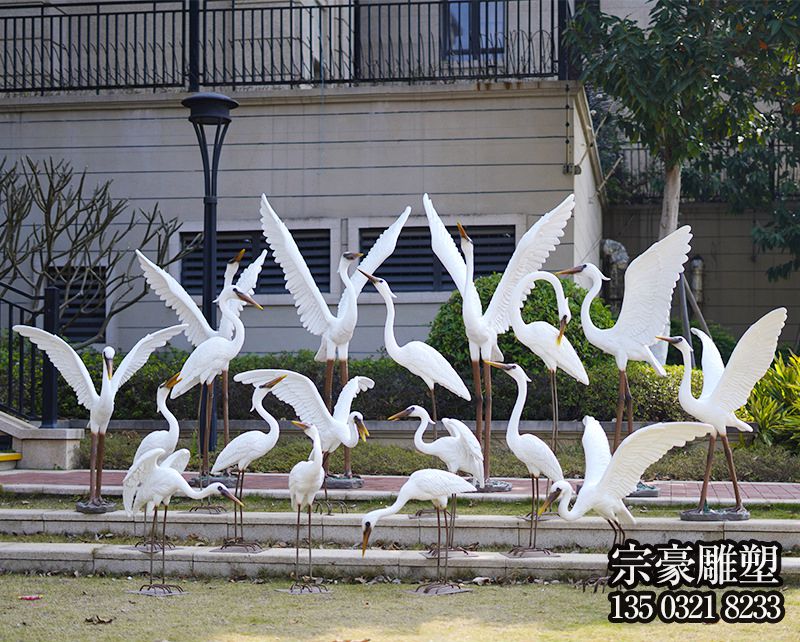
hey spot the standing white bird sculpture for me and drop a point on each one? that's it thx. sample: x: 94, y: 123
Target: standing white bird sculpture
x: 531, y: 451
x: 415, y: 356
x: 343, y: 426
x: 649, y: 282
x: 101, y: 406
x: 725, y: 390
x: 482, y: 327
x: 198, y: 330
x: 149, y: 485
x: 547, y: 342
x: 305, y: 480
x: 436, y: 486
x: 165, y: 439
x: 212, y: 357
x: 240, y: 453
x: 460, y: 451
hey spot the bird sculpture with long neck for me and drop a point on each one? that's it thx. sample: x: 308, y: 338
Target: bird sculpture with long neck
x: 166, y: 439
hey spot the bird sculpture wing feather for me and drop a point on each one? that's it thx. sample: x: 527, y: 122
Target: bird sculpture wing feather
x: 174, y: 296
x: 595, y: 449
x: 642, y: 449
x: 750, y: 361
x: 380, y: 251
x: 465, y: 437
x: 713, y: 366
x: 649, y: 282
x: 141, y: 352
x: 348, y: 394
x: 529, y: 256
x: 436, y: 483
x: 444, y: 247
x: 139, y: 471
x: 66, y: 360
x: 178, y: 460
x: 247, y: 282
x: 314, y: 313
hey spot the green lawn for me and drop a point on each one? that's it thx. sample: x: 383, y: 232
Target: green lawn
x: 245, y: 612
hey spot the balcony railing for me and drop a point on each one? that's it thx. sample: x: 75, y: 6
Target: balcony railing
x: 127, y: 45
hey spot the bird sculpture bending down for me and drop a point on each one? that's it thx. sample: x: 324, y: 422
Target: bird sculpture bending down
x: 415, y: 356
x: 726, y: 389
x: 483, y: 328
x: 609, y: 479
x: 165, y: 439
x: 531, y: 451
x: 240, y: 453
x: 101, y: 406
x: 649, y: 282
x: 149, y: 485
x: 436, y: 486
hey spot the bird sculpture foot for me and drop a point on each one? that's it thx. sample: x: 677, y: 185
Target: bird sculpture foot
x: 160, y: 590
x: 434, y: 550
x: 439, y: 588
x: 211, y: 509
x: 148, y: 547
x: 595, y: 582
x: 95, y: 506
x: 305, y: 588
x: 422, y: 512
x: 328, y: 507
x: 530, y: 551
x: 547, y: 515
x: 232, y: 545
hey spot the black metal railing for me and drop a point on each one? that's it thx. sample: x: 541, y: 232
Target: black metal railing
x: 186, y: 44
x: 30, y: 386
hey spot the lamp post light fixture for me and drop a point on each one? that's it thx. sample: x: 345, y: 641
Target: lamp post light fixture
x: 210, y: 113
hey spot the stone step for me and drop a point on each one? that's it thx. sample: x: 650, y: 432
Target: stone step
x: 345, y: 529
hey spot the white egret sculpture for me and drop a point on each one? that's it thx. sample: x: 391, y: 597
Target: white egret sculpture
x: 242, y: 451
x: 198, y: 330
x: 649, y: 282
x: 342, y: 426
x: 482, y: 327
x: 101, y: 406
x: 609, y: 479
x: 415, y: 356
x: 547, y: 342
x: 212, y: 357
x: 436, y: 486
x: 531, y: 451
x: 725, y: 390
x: 149, y: 485
x: 165, y: 439
x: 305, y: 480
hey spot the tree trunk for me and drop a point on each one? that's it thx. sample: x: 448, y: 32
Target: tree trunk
x: 671, y: 201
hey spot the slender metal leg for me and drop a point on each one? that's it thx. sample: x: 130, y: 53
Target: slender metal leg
x: 434, y: 414
x: 297, y: 548
x: 226, y: 435
x: 240, y: 509
x: 487, y: 421
x: 344, y: 377
x: 620, y: 410
x: 438, y: 544
x: 712, y: 444
x: 101, y: 451
x: 93, y: 468
x: 534, y: 514
x: 207, y: 432
x: 732, y: 470
x: 153, y: 542
x: 325, y: 457
x: 629, y: 404
x: 164, y: 546
x: 329, y: 384
x: 554, y: 385
x: 476, y: 386
x: 452, y: 521
x: 310, y: 573
x: 448, y: 537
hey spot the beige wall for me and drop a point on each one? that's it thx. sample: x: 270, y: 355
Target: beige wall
x: 337, y: 158
x: 736, y: 289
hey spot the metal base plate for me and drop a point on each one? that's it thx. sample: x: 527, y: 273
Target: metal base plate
x: 209, y: 509
x: 234, y: 546
x: 306, y: 589
x: 729, y: 514
x: 201, y: 481
x: 495, y: 486
x: 451, y: 553
x: 159, y: 590
x: 85, y: 506
x: 438, y: 589
x: 644, y: 490
x: 340, y: 482
x: 544, y: 517
x: 521, y: 552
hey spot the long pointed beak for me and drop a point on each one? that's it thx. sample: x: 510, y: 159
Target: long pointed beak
x: 365, y: 540
x: 226, y: 493
x: 239, y: 256
x: 362, y: 430
x: 550, y: 499
x: 274, y: 382
x: 502, y: 366
x: 109, y: 367
x: 248, y: 299
x: 672, y: 340
x: 400, y: 415
x: 463, y: 232
x: 562, y: 328
x: 573, y: 270
x: 301, y: 425
x: 352, y: 256
x: 172, y: 381
x: 371, y: 278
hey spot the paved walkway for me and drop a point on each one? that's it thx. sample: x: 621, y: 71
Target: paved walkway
x: 376, y: 485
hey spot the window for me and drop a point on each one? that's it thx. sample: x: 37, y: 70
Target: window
x: 314, y: 245
x: 413, y: 267
x: 82, y: 293
x: 473, y: 28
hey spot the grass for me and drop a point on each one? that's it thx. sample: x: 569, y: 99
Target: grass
x: 756, y: 462
x: 228, y: 611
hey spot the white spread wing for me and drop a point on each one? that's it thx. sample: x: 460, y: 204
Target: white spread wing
x: 380, y: 251
x: 296, y: 389
x: 465, y: 437
x: 532, y: 251
x: 642, y: 449
x: 649, y: 282
x: 247, y: 282
x: 750, y: 361
x: 348, y: 394
x: 178, y: 460
x: 444, y: 247
x: 595, y: 449
x: 713, y: 367
x: 66, y: 361
x: 139, y: 471
x: 141, y: 352
x: 172, y: 293
x: 314, y: 313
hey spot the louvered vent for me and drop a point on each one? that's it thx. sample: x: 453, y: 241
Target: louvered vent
x: 314, y: 245
x: 413, y: 267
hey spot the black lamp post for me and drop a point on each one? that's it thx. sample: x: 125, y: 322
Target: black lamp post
x: 212, y: 111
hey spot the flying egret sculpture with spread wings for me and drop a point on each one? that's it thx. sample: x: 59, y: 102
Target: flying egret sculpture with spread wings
x: 725, y: 390
x: 482, y: 327
x: 101, y: 406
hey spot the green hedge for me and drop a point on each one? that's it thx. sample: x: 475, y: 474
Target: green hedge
x: 775, y: 403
